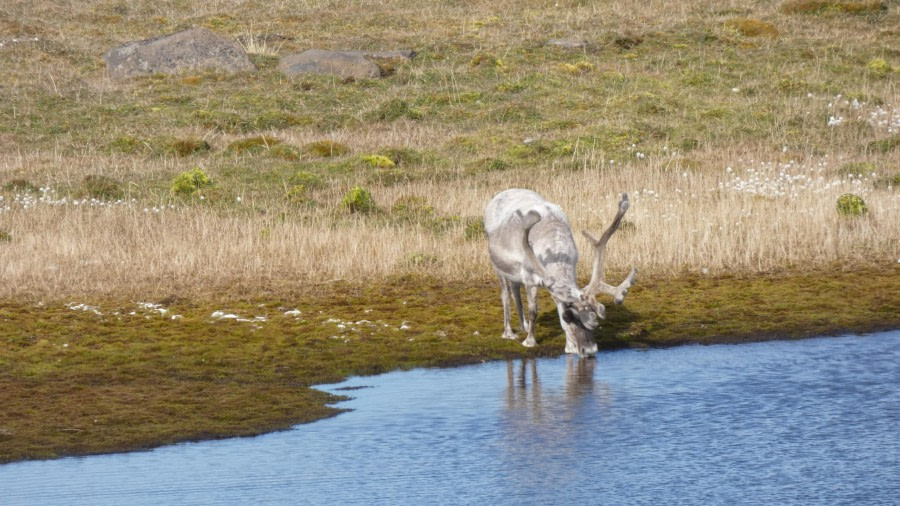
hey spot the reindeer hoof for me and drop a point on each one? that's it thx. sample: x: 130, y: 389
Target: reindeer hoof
x: 510, y: 335
x: 529, y: 342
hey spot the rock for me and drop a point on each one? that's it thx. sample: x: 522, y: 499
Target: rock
x: 568, y: 43
x: 343, y: 64
x: 195, y: 48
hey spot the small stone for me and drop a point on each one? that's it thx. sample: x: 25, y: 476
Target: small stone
x: 195, y: 48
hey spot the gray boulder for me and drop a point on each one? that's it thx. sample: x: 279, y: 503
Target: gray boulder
x: 195, y: 48
x: 342, y: 64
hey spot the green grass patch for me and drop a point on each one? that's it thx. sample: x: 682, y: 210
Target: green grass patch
x: 69, y: 378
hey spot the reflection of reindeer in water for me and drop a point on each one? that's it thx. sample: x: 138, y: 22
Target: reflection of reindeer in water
x: 534, y: 405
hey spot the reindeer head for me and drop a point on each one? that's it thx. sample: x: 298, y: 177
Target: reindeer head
x: 581, y: 311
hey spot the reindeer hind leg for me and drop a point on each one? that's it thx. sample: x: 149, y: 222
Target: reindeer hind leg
x: 505, y: 290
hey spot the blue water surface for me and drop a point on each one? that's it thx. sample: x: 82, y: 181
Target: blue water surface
x: 796, y: 422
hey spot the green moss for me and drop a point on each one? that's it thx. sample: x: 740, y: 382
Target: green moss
x: 884, y: 145
x: 20, y: 185
x: 833, y: 7
x: 127, y: 144
x: 187, y: 147
x: 101, y: 187
x: 297, y: 194
x: 307, y: 179
x: 849, y: 204
x: 285, y: 152
x: 359, y: 200
x: 474, y: 228
x: 412, y: 208
x: 190, y: 183
x: 879, y: 68
x: 326, y: 149
x: 252, y: 145
x: 750, y: 27
x: 854, y: 168
x: 395, y: 109
x: 378, y: 161
x: 201, y: 378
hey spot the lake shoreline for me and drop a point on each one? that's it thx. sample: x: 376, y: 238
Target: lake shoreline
x: 93, y: 375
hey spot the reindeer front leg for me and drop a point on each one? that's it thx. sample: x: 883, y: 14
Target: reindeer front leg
x: 531, y: 292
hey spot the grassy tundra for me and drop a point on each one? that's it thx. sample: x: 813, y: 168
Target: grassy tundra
x: 139, y: 308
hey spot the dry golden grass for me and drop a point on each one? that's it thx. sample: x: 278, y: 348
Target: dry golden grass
x: 683, y: 220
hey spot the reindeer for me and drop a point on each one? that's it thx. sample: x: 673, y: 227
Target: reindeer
x: 530, y: 243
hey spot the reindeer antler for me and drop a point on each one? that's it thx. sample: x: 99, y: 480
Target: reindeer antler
x: 597, y: 284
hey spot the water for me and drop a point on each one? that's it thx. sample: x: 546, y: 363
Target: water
x: 803, y: 422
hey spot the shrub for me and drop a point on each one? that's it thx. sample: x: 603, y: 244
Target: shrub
x: 101, y: 187
x: 326, y: 149
x: 359, y: 200
x: 378, y: 161
x: 849, y: 204
x: 190, y: 182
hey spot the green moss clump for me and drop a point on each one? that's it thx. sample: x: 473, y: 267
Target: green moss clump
x: 402, y: 156
x: 879, y: 68
x: 307, y: 179
x: 474, y: 228
x: 285, y: 152
x: 830, y: 6
x: 296, y: 194
x: 378, y: 161
x: 884, y: 145
x: 750, y: 27
x: 326, y: 149
x: 20, y: 185
x: 190, y: 183
x: 5, y: 236
x: 187, y: 147
x: 420, y: 260
x: 127, y: 144
x: 849, y: 204
x: 359, y: 200
x: 395, y: 109
x: 854, y: 168
x: 101, y: 187
x: 253, y: 145
x: 412, y: 208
